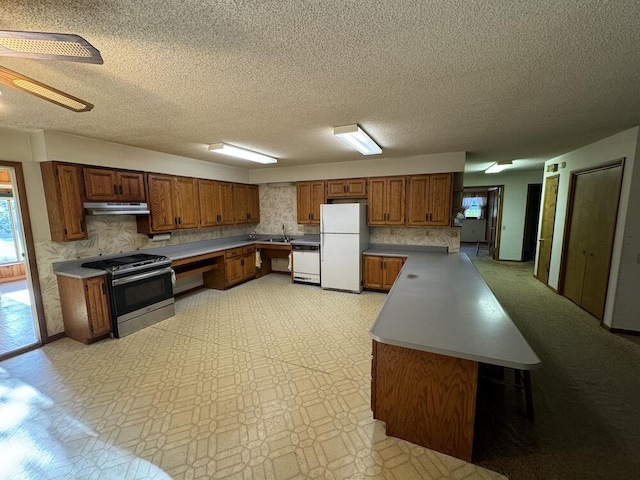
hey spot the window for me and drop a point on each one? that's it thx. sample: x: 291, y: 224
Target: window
x: 473, y: 205
x: 10, y: 243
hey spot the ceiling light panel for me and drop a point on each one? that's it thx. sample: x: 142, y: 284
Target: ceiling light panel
x: 48, y: 46
x: 355, y: 137
x: 498, y: 167
x: 53, y: 95
x: 242, y: 153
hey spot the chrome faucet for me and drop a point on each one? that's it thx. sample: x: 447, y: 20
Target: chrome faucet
x: 253, y: 235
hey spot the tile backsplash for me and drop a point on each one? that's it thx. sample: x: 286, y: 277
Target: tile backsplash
x: 118, y: 233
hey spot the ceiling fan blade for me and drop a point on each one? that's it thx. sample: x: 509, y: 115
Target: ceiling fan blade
x: 39, y: 89
x: 48, y: 46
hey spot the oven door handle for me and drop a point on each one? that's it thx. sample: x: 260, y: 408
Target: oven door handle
x: 141, y: 276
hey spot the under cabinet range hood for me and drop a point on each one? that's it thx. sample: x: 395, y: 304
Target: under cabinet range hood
x: 116, y: 208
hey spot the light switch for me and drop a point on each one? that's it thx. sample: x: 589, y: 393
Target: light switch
x: 504, y: 227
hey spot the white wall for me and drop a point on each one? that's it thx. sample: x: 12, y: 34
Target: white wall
x: 513, y: 208
x: 376, y: 167
x: 623, y: 302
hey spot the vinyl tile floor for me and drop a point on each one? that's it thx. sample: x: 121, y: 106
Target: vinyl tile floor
x: 17, y: 329
x: 268, y: 380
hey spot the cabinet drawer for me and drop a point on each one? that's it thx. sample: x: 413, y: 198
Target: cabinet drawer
x: 248, y: 250
x: 233, y: 252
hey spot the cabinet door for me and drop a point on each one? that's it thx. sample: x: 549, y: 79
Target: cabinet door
x: 240, y: 204
x: 226, y: 203
x: 417, y: 198
x: 71, y: 200
x: 208, y: 195
x: 356, y: 187
x: 97, y: 305
x: 377, y: 211
x: 318, y: 197
x: 234, y: 271
x: 101, y: 184
x: 249, y: 265
x: 391, y: 267
x: 373, y: 272
x: 253, y: 204
x: 303, y: 201
x: 336, y: 189
x: 187, y: 202
x: 439, y: 200
x: 131, y: 187
x: 395, y: 200
x: 161, y: 194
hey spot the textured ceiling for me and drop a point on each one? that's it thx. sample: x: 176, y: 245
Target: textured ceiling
x: 501, y: 80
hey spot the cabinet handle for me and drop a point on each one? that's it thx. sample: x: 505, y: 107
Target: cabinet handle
x: 115, y: 189
x: 381, y: 264
x: 344, y: 189
x: 431, y: 217
x: 218, y: 219
x: 175, y: 220
x: 179, y: 220
x: 121, y: 189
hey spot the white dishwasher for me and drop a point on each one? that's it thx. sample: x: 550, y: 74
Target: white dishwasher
x: 306, y: 263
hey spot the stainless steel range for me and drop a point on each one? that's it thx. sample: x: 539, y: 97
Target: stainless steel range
x: 141, y: 290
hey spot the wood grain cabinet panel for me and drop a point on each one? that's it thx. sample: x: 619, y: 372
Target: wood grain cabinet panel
x: 64, y: 192
x: 209, y: 200
x: 161, y: 203
x: 174, y: 204
x: 380, y: 273
x: 425, y: 398
x: 253, y: 204
x: 347, y: 188
x: 240, y: 203
x: 104, y: 185
x: 309, y: 197
x: 85, y: 307
x: 429, y: 200
x: 187, y: 202
x: 386, y: 199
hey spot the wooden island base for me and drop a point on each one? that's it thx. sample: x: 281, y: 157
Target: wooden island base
x: 425, y: 398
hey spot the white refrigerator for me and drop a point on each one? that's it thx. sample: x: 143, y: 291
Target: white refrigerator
x: 344, y: 235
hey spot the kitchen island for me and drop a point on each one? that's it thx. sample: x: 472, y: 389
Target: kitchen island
x: 439, y: 321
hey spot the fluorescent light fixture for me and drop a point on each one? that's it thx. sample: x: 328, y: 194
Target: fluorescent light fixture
x: 357, y: 138
x: 42, y: 90
x: 48, y: 46
x: 498, y: 167
x: 238, y: 152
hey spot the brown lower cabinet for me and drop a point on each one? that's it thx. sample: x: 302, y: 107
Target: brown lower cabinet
x: 381, y: 272
x: 425, y: 398
x: 85, y: 307
x: 239, y: 265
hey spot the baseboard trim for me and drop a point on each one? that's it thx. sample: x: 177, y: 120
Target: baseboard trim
x: 620, y: 330
x: 53, y: 338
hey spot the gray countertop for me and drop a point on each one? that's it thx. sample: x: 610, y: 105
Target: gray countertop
x: 440, y: 304
x: 73, y: 268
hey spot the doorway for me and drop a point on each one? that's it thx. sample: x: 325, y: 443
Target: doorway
x: 532, y: 212
x: 482, y: 209
x: 546, y: 228
x: 21, y: 319
x: 592, y: 217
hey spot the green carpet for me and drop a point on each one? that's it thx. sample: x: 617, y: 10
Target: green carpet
x: 586, y: 394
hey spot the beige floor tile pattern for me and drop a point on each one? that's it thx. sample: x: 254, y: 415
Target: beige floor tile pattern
x: 268, y: 380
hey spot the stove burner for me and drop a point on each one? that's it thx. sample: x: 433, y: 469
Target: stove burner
x: 129, y: 262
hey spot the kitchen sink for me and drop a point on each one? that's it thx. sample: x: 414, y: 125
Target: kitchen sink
x: 276, y: 240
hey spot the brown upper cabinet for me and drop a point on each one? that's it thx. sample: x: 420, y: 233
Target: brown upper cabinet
x: 173, y: 202
x: 429, y: 200
x: 63, y: 192
x: 347, y: 188
x: 386, y: 198
x: 253, y: 204
x: 216, y: 203
x: 103, y: 185
x: 310, y: 195
x: 246, y: 206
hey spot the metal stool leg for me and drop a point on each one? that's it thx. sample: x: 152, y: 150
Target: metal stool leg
x: 528, y: 394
